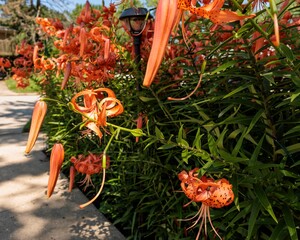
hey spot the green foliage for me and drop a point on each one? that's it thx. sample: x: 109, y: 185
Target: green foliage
x: 33, y: 87
x: 242, y: 124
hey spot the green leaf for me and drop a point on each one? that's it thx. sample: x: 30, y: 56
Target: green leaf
x: 180, y: 140
x: 212, y: 145
x: 253, y: 217
x: 146, y: 99
x: 137, y: 132
x: 291, y: 149
x: 183, y: 143
x: 268, y: 76
x: 293, y: 130
x: 259, y: 192
x: 289, y: 220
x: 256, y: 117
x: 278, y: 231
x: 295, y: 95
x: 224, y: 67
x: 197, y: 140
x: 287, y: 52
x: 230, y: 158
x: 256, y: 152
x: 289, y: 174
x: 158, y: 133
x: 296, y: 164
x: 167, y: 146
x: 239, y: 144
x: 220, y: 140
x: 239, y: 89
x: 185, y: 154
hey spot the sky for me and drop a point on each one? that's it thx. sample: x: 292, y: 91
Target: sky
x: 93, y: 2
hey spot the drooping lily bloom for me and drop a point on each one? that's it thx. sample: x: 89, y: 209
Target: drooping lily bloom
x: 88, y: 165
x: 95, y: 108
x: 38, y: 116
x: 56, y: 161
x: 210, y: 193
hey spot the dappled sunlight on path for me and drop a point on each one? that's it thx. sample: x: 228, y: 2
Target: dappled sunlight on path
x: 25, y: 211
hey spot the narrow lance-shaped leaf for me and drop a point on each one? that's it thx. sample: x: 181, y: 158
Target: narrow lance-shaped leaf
x: 265, y: 202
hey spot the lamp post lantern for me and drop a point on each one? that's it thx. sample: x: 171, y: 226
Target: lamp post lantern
x: 135, y: 20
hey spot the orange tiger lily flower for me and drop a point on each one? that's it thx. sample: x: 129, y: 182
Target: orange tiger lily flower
x: 167, y: 17
x: 38, y: 116
x: 56, y: 160
x: 95, y: 108
x: 212, y: 11
x: 211, y: 193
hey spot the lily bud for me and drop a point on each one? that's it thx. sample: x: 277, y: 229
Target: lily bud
x: 56, y: 160
x: 167, y: 17
x: 38, y: 116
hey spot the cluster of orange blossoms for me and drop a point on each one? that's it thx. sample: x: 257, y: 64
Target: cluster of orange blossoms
x: 4, y: 63
x: 23, y: 64
x: 210, y: 193
x: 87, y: 53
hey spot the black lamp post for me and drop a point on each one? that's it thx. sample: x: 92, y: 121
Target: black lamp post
x: 135, y: 20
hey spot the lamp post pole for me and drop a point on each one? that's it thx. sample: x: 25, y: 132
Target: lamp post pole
x: 137, y: 50
x: 135, y: 20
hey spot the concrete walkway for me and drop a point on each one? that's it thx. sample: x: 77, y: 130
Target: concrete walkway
x: 25, y: 212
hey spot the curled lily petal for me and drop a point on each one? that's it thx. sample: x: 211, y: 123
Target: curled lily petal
x: 38, y: 116
x: 167, y: 17
x: 226, y: 16
x: 56, y: 160
x: 109, y: 92
x: 92, y: 126
x: 89, y: 98
x: 112, y: 110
